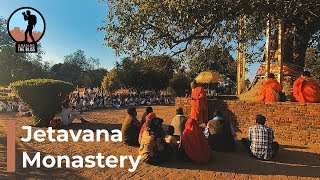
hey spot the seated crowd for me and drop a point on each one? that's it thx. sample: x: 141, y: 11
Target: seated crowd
x: 93, y: 100
x: 14, y: 105
x: 185, y: 139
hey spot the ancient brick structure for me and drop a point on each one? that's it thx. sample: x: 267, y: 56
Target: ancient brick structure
x: 293, y: 123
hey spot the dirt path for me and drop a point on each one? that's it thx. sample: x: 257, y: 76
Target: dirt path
x: 292, y: 162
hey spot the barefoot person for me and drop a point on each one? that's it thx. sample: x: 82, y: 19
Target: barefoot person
x: 130, y: 128
x: 270, y: 90
x: 68, y: 115
x: 260, y: 140
x: 199, y: 105
x: 306, y: 89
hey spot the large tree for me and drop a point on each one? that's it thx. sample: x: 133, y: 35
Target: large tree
x: 79, y: 69
x: 147, y: 27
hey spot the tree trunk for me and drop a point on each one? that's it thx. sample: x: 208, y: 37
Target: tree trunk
x: 295, y: 46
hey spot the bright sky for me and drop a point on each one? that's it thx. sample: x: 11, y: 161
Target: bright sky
x: 72, y: 25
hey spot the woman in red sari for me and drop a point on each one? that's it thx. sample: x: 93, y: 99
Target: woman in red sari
x: 199, y: 104
x: 194, y: 143
x: 144, y: 126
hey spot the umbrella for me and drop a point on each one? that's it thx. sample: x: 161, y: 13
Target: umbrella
x: 209, y: 77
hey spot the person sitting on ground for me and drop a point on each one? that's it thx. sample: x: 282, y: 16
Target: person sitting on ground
x: 178, y: 122
x: 153, y: 148
x: 270, y: 90
x: 170, y: 139
x: 23, y: 110
x: 260, y: 140
x: 306, y: 89
x: 194, y: 144
x: 68, y: 114
x: 130, y: 128
x: 148, y: 111
x: 144, y: 125
x: 219, y: 134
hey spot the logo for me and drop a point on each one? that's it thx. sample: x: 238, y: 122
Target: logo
x: 26, y: 26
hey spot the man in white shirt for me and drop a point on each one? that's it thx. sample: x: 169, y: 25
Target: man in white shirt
x: 68, y: 115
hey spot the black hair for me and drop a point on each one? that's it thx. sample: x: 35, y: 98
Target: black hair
x: 179, y: 111
x: 149, y: 109
x: 170, y: 130
x: 260, y: 119
x: 271, y: 75
x: 306, y: 74
x: 217, y: 113
x: 132, y: 111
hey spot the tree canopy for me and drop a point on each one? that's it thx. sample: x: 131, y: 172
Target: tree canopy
x: 147, y: 27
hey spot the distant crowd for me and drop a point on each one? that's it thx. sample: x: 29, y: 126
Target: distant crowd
x: 14, y: 105
x: 90, y: 99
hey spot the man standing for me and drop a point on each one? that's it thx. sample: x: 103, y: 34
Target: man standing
x: 306, y: 89
x: 199, y: 104
x: 270, y: 90
x: 32, y: 21
x: 260, y: 140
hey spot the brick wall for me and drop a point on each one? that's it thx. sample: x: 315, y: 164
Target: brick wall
x: 293, y: 123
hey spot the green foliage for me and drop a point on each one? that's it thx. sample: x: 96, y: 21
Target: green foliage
x: 145, y: 28
x: 216, y: 59
x: 110, y: 81
x: 179, y: 83
x: 79, y: 70
x: 43, y: 97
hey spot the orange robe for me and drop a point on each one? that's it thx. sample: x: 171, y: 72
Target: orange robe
x: 199, y: 106
x: 306, y: 90
x: 270, y: 91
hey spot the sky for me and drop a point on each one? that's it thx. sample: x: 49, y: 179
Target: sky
x: 72, y: 25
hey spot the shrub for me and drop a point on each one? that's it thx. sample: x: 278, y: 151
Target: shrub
x: 43, y: 97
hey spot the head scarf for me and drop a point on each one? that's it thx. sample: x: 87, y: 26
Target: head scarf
x: 144, y: 126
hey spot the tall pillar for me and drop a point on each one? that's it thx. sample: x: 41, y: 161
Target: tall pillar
x: 267, y: 53
x: 241, y: 59
x: 280, y: 50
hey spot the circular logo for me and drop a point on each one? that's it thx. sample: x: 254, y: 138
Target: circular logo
x: 26, y: 25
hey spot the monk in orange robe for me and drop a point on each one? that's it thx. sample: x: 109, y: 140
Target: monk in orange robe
x: 270, y: 90
x: 306, y: 89
x: 199, y: 104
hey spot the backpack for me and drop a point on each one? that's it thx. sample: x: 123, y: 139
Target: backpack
x: 33, y: 20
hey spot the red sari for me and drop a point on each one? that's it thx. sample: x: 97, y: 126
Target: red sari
x: 306, y: 90
x: 270, y: 91
x: 144, y: 126
x: 194, y: 143
x: 199, y: 105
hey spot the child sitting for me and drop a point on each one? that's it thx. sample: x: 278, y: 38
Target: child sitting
x: 170, y: 139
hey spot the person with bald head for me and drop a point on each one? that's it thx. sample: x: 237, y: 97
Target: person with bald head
x: 270, y: 90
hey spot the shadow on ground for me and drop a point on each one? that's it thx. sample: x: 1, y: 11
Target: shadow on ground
x: 287, y: 162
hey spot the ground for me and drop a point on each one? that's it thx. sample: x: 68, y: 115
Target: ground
x: 292, y: 162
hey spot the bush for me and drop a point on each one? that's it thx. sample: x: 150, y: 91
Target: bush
x: 43, y: 97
